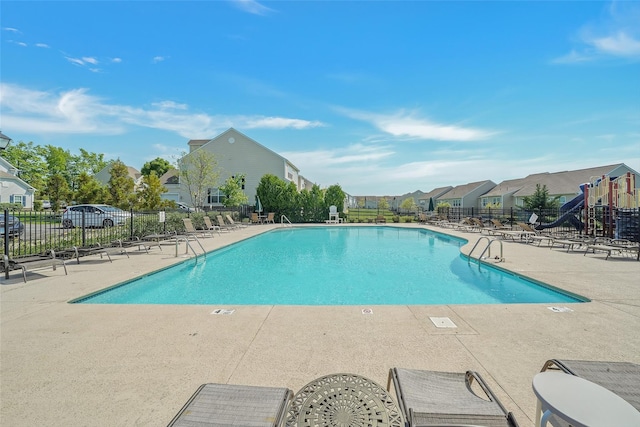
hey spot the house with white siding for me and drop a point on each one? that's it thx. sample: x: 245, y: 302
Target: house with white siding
x: 237, y: 154
x: 466, y: 195
x: 12, y: 188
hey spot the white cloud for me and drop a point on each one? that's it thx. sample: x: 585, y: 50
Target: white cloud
x: 574, y: 57
x: 619, y: 44
x: 90, y: 60
x: 408, y: 126
x: 278, y: 123
x: 157, y: 59
x: 615, y: 36
x: 251, y: 6
x: 76, y: 111
x: 116, y: 60
x: 12, y: 30
x: 42, y: 45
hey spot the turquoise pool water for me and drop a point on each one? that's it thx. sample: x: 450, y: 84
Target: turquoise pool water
x: 333, y: 266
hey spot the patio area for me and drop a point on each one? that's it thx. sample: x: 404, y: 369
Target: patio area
x: 136, y: 365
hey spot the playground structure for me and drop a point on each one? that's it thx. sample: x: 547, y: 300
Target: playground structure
x: 615, y: 196
x: 603, y: 201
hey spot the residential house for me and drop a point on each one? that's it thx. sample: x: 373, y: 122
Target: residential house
x: 466, y: 195
x: 171, y: 181
x: 12, y: 188
x: 104, y: 175
x: 433, y: 196
x: 564, y: 185
x: 236, y: 154
x: 396, y: 201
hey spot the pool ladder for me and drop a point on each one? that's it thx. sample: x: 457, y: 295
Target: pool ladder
x: 486, y: 250
x: 188, y: 246
x: 282, y: 221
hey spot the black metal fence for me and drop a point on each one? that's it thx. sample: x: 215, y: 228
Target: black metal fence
x: 29, y: 233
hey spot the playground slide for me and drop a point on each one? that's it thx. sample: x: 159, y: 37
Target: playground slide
x: 571, y: 207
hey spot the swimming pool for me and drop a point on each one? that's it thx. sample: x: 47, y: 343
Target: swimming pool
x: 333, y: 266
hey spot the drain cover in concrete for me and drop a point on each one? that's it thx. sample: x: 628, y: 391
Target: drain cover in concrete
x: 222, y: 311
x: 367, y: 311
x: 443, y: 322
x: 560, y: 309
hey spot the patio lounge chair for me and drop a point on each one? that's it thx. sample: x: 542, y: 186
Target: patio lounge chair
x: 616, y: 245
x: 270, y: 218
x: 96, y: 249
x: 223, y: 225
x: 33, y: 263
x: 232, y: 222
x: 255, y: 218
x: 190, y: 229
x: 622, y: 378
x: 209, y: 225
x: 430, y: 398
x: 234, y: 405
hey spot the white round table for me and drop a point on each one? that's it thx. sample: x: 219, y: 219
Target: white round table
x: 580, y: 402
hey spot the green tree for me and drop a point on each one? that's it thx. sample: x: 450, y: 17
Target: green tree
x: 158, y: 165
x: 540, y: 199
x: 89, y: 190
x: 334, y: 195
x: 270, y: 190
x: 87, y: 162
x: 58, y: 190
x: 198, y: 173
x: 120, y: 186
x: 29, y: 161
x: 150, y: 196
x: 232, y: 190
x: 408, y: 204
x: 318, y: 208
x: 383, y: 204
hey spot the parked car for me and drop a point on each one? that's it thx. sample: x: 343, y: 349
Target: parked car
x: 15, y: 226
x: 46, y: 204
x: 94, y: 216
x: 185, y: 208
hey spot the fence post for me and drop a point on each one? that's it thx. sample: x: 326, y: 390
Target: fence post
x: 84, y: 230
x: 6, y: 240
x: 131, y: 224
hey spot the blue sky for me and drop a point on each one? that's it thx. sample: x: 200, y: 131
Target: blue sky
x: 382, y: 97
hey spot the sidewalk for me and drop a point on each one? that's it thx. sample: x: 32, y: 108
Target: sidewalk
x: 136, y: 365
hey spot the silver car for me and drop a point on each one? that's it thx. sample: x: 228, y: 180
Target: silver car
x: 94, y: 216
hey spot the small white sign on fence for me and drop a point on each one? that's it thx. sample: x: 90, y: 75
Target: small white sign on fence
x: 161, y: 216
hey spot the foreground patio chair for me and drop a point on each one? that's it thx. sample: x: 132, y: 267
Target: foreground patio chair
x: 430, y: 398
x: 622, y: 378
x: 234, y: 405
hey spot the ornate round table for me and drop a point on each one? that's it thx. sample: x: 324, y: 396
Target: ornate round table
x: 343, y: 400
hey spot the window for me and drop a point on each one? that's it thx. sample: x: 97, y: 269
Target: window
x: 456, y: 203
x: 214, y: 196
x: 18, y: 198
x: 290, y: 176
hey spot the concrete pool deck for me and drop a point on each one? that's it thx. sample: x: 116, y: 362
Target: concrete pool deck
x: 136, y: 365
